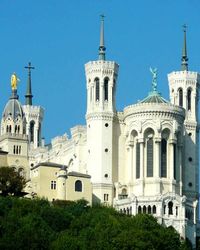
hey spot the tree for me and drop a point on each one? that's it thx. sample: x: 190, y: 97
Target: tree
x: 11, y: 182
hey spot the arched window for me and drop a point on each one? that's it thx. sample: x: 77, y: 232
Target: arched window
x: 139, y: 210
x: 170, y: 207
x: 7, y: 129
x: 39, y: 134
x: 189, y: 99
x: 14, y: 149
x: 150, y: 157
x: 149, y: 209
x: 18, y: 129
x: 15, y: 129
x: 137, y: 160
x: 96, y: 89
x: 10, y: 128
x: 32, y: 131
x: 180, y: 96
x: 154, y: 209
x: 78, y: 186
x: 163, y: 158
x: 106, y: 89
x: 144, y: 209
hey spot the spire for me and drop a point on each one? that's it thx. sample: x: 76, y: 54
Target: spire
x: 184, y: 59
x: 29, y: 95
x: 102, y: 48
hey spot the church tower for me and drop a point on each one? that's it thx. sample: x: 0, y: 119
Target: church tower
x: 34, y: 115
x: 184, y: 88
x: 101, y: 77
x: 13, y: 137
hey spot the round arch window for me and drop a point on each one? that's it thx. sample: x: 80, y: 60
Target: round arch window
x: 78, y: 186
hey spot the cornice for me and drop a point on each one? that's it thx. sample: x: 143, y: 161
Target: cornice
x: 106, y: 116
x: 154, y: 110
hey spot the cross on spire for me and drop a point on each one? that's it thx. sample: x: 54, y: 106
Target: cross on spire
x: 29, y: 95
x: 184, y: 59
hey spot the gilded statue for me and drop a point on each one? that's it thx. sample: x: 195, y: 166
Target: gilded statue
x: 14, y: 81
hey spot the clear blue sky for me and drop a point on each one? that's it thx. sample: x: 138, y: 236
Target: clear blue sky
x: 59, y: 37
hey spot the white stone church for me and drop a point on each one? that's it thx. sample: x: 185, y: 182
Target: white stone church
x: 144, y: 159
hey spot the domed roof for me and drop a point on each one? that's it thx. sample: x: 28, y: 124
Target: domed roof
x: 13, y: 107
x: 154, y: 97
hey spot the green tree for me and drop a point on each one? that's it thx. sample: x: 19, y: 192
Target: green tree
x: 39, y: 224
x: 11, y: 182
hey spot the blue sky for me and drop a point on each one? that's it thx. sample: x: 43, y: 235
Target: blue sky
x: 59, y: 37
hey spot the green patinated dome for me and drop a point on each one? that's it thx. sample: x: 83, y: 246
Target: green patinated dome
x: 154, y: 97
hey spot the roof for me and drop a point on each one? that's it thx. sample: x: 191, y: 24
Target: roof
x: 13, y: 107
x: 77, y: 174
x: 50, y: 164
x: 2, y: 152
x: 154, y: 97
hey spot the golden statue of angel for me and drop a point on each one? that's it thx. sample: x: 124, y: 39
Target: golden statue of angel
x: 14, y: 81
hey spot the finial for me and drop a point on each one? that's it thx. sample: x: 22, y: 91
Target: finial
x: 102, y: 47
x: 14, y: 81
x: 29, y: 95
x: 154, y: 78
x: 184, y: 59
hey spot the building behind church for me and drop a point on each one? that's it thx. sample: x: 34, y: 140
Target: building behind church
x: 144, y: 159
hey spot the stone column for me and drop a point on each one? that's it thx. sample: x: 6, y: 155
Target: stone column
x: 89, y: 96
x: 28, y: 131
x: 157, y: 164
x: 101, y: 94
x: 141, y: 142
x: 180, y: 167
x: 157, y: 157
x: 170, y: 165
x: 134, y: 161
x: 185, y: 99
x: 193, y: 105
x: 130, y: 162
x: 110, y: 100
x: 35, y: 136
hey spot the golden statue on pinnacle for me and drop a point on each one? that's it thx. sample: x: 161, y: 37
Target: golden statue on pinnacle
x: 14, y: 81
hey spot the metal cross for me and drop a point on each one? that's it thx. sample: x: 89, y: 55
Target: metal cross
x: 102, y: 17
x: 184, y: 27
x: 29, y: 67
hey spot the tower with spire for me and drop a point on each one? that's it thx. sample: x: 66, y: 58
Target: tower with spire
x: 184, y: 88
x: 34, y: 114
x: 13, y: 138
x: 101, y: 78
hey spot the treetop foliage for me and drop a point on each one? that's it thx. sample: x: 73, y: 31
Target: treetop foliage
x: 38, y: 224
x: 11, y: 182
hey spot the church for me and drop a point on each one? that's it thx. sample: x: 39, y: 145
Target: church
x: 144, y: 159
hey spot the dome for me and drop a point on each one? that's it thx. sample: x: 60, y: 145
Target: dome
x: 154, y: 97
x: 13, y: 108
